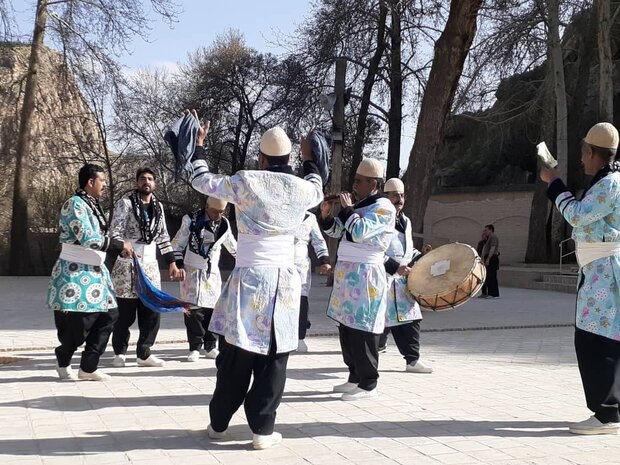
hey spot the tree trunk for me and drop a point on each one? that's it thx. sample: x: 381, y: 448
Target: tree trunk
x: 396, y: 95
x: 19, y: 260
x: 555, y: 56
x: 451, y: 49
x: 606, y: 87
x: 369, y: 82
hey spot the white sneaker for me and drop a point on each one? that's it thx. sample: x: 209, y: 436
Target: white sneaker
x: 266, y: 441
x: 66, y: 373
x: 193, y: 356
x: 119, y: 361
x: 302, y: 347
x: 594, y: 426
x: 212, y: 354
x: 344, y: 387
x: 215, y: 434
x: 360, y: 394
x: 151, y: 361
x: 418, y: 367
x: 96, y: 375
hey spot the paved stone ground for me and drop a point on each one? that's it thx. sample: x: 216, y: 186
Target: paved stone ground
x: 497, y: 397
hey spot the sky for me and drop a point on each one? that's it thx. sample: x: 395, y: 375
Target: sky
x: 199, y: 23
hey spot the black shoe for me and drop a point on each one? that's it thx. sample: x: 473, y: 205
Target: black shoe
x: 382, y: 350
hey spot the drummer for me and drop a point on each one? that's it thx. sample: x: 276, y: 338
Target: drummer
x: 403, y: 315
x: 359, y: 298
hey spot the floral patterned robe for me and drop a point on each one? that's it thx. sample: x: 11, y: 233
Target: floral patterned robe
x: 256, y: 299
x: 595, y: 218
x: 75, y: 287
x: 359, y: 296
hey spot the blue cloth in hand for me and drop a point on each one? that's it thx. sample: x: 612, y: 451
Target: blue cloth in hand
x: 153, y: 298
x: 181, y: 138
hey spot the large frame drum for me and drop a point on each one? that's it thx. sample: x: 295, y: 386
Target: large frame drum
x: 446, y: 277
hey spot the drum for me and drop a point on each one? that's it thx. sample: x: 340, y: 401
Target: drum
x: 446, y: 277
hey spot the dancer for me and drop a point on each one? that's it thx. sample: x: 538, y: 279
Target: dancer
x: 359, y: 299
x: 139, y: 219
x: 595, y: 220
x: 307, y: 234
x: 403, y: 316
x: 80, y: 291
x: 258, y: 311
x: 201, y: 236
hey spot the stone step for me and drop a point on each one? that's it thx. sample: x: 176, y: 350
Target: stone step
x: 557, y: 287
x: 560, y: 279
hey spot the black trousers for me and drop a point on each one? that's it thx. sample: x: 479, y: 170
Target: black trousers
x: 360, y: 351
x: 148, y: 324
x: 598, y: 358
x: 77, y: 328
x: 197, y: 326
x: 491, y: 285
x: 304, y: 322
x: 235, y: 367
x: 407, y: 339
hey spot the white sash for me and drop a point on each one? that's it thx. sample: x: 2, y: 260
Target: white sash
x: 359, y: 253
x: 587, y: 252
x: 196, y: 261
x: 85, y: 256
x: 252, y: 250
x: 146, y: 253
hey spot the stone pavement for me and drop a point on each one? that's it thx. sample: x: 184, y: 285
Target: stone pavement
x: 497, y: 397
x: 25, y: 322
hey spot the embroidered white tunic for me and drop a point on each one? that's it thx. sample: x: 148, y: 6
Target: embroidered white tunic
x: 359, y: 295
x: 202, y: 285
x: 401, y: 306
x: 307, y: 234
x: 125, y: 226
x: 258, y: 299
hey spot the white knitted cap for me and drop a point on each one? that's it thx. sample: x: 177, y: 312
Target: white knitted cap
x: 370, y: 168
x: 275, y: 143
x: 218, y: 204
x: 603, y: 135
x: 394, y: 185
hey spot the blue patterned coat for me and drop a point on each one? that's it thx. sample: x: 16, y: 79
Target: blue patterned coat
x: 595, y: 218
x: 307, y: 234
x: 75, y: 287
x: 401, y: 306
x: 359, y: 296
x: 255, y: 299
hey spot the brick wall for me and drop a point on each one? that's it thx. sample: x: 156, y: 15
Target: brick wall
x: 461, y: 216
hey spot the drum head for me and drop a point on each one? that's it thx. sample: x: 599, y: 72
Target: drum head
x: 442, y: 270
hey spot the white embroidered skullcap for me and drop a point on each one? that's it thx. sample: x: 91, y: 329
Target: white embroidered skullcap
x: 218, y: 204
x: 603, y: 135
x: 394, y: 185
x: 275, y: 143
x: 370, y: 168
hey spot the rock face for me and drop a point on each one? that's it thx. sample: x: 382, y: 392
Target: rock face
x: 63, y: 125
x: 497, y: 146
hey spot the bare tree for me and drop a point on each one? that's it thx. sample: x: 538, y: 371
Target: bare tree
x: 80, y: 28
x: 451, y: 49
x: 606, y: 86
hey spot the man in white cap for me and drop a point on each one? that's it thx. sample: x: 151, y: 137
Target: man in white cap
x: 197, y: 246
x: 258, y: 310
x: 359, y: 297
x: 403, y: 315
x: 596, y: 230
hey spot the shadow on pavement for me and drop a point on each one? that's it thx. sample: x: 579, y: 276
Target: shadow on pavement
x: 239, y: 435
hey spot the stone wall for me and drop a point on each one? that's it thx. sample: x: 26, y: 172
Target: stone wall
x: 461, y: 216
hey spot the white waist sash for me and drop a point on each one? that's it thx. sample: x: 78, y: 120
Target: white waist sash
x: 147, y: 253
x: 359, y: 253
x: 84, y: 255
x: 587, y: 252
x: 195, y: 261
x: 255, y: 250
